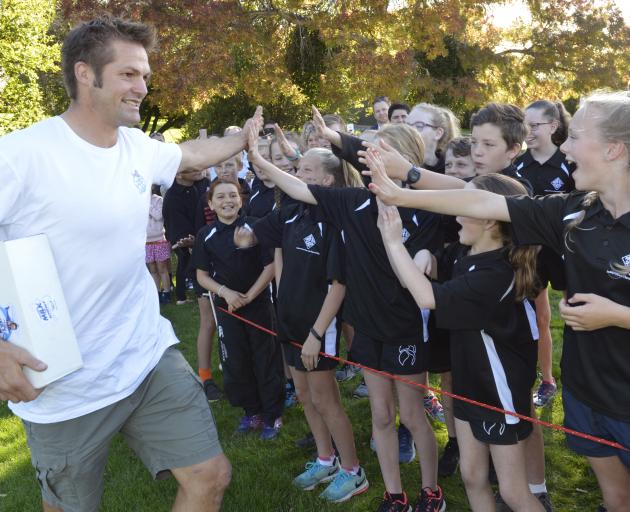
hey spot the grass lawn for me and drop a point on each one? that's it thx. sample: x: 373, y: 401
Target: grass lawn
x: 262, y: 471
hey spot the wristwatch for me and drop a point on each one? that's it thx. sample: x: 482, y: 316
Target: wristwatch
x: 413, y: 175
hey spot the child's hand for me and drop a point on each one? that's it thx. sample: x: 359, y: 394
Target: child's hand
x: 389, y: 223
x: 395, y: 165
x: 590, y: 312
x: 254, y: 123
x: 244, y: 237
x: 285, y: 147
x: 382, y: 186
x: 423, y: 260
x: 310, y: 352
x: 252, y: 144
x: 235, y: 300
x: 321, y: 129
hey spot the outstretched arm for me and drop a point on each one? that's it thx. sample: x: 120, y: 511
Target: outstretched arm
x: 203, y: 153
x: 323, y: 131
x: 409, y: 275
x: 292, y: 186
x: 479, y: 204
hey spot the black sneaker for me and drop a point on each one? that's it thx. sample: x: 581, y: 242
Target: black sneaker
x: 306, y: 442
x: 430, y: 501
x: 391, y: 505
x: 447, y: 465
x: 212, y: 391
x: 601, y: 508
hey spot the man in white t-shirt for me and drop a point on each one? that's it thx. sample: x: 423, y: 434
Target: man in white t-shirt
x: 84, y: 179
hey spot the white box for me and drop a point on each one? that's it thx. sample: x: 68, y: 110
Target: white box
x: 33, y: 310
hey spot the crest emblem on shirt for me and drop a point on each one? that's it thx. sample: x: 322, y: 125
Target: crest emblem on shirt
x: 405, y: 235
x: 557, y: 183
x: 138, y: 181
x: 626, y: 260
x: 7, y: 323
x: 309, y: 241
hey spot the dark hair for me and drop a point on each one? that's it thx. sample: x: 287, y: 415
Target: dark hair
x: 523, y: 258
x: 378, y: 99
x: 89, y: 42
x: 397, y: 106
x: 460, y: 146
x: 220, y: 181
x: 557, y: 112
x: 509, y: 118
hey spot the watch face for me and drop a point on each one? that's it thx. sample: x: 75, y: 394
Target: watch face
x: 413, y: 175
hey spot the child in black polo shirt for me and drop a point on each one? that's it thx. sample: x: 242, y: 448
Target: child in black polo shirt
x: 387, y: 322
x: 309, y: 298
x: 483, y: 302
x: 591, y: 231
x: 239, y: 280
x: 549, y: 172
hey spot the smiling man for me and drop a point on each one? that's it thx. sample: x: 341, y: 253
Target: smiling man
x: 84, y: 179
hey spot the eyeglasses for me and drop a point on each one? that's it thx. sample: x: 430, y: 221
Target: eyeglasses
x: 534, y: 126
x: 419, y: 125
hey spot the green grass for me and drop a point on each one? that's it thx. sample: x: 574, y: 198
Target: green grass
x: 262, y: 472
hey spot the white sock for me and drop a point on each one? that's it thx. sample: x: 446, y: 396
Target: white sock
x: 538, y: 488
x: 330, y: 461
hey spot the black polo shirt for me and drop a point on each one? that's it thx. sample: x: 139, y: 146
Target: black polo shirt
x: 178, y: 209
x: 550, y: 177
x: 238, y: 269
x: 376, y: 303
x: 261, y: 201
x: 493, y: 336
x: 312, y: 257
x: 512, y: 172
x: 595, y: 364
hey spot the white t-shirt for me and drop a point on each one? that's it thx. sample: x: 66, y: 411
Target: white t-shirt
x: 93, y: 203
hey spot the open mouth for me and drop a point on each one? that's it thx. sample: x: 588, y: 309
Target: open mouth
x: 131, y: 102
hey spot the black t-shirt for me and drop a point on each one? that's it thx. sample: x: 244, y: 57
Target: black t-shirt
x: 493, y: 336
x: 238, y: 269
x: 595, y: 364
x: 551, y: 177
x: 312, y: 257
x: 376, y: 303
x: 261, y: 201
x: 178, y: 209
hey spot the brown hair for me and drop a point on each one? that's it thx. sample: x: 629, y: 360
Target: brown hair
x: 460, y: 146
x: 220, y: 181
x: 523, y: 258
x: 556, y: 112
x: 90, y: 42
x: 509, y: 118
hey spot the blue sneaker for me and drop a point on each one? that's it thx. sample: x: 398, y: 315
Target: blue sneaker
x: 316, y: 473
x: 345, y: 486
x: 271, y: 431
x: 248, y: 423
x: 406, y: 446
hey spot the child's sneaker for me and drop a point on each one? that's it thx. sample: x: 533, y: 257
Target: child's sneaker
x: 391, y: 505
x: 545, y: 393
x: 433, y: 408
x: 271, y: 431
x: 361, y: 391
x: 212, y: 391
x: 248, y: 423
x: 346, y: 372
x: 406, y: 446
x: 316, y: 473
x: 447, y: 465
x: 345, y: 486
x: 290, y: 398
x: 430, y: 501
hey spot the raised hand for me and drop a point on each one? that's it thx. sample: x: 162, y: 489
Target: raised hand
x: 382, y: 186
x: 396, y: 165
x: 389, y: 223
x: 286, y: 148
x: 255, y: 122
x: 252, y: 144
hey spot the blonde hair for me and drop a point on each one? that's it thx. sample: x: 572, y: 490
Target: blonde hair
x: 443, y: 118
x: 523, y: 258
x: 404, y: 139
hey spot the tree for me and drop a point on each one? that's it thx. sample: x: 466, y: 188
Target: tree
x: 26, y: 50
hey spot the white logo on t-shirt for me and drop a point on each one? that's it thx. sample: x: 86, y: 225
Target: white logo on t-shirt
x: 405, y: 235
x: 309, y: 241
x: 138, y: 181
x: 557, y: 183
x: 626, y: 259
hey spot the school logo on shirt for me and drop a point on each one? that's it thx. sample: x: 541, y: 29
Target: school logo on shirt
x: 405, y: 235
x: 407, y: 354
x: 7, y: 323
x: 626, y: 260
x: 557, y: 183
x: 309, y: 241
x: 138, y: 181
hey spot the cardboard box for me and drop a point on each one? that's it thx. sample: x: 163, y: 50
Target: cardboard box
x: 33, y: 311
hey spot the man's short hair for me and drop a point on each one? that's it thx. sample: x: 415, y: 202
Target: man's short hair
x: 89, y: 42
x: 378, y: 99
x: 509, y: 118
x: 397, y: 106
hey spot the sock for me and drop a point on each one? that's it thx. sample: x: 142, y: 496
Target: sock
x: 354, y: 470
x: 538, y: 488
x: 327, y: 461
x: 400, y: 497
x: 205, y: 374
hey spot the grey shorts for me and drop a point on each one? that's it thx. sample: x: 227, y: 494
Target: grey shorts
x: 167, y: 422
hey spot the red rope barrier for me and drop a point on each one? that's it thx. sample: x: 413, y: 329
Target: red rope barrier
x: 442, y: 392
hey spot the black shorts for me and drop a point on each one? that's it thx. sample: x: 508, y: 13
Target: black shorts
x: 330, y: 346
x: 500, y: 432
x: 438, y: 348
x: 405, y: 359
